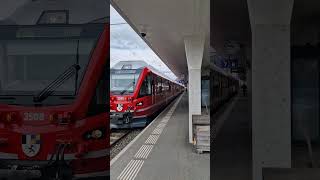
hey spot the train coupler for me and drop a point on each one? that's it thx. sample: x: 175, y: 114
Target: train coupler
x: 121, y: 118
x: 58, y: 169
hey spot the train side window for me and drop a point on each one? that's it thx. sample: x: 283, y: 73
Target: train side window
x: 154, y: 84
x: 149, y: 79
x: 159, y: 85
x: 145, y: 89
x: 164, y: 85
x: 167, y: 85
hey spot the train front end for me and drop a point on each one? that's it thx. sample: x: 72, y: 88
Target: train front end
x: 53, y: 119
x: 123, y: 94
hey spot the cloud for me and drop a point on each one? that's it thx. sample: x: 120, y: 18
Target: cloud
x: 115, y: 18
x: 124, y: 37
x: 126, y: 44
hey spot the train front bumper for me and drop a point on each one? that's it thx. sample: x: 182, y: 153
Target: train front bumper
x: 22, y: 169
x: 120, y: 119
x: 20, y: 174
x: 45, y: 169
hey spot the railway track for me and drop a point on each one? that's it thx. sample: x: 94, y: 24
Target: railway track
x: 117, y: 135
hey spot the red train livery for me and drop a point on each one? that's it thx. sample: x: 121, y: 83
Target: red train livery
x: 53, y: 84
x: 138, y: 92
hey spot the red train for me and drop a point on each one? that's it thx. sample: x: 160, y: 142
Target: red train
x: 53, y: 101
x: 138, y: 92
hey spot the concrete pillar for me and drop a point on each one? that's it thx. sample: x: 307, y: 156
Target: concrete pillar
x: 194, y: 47
x: 271, y: 114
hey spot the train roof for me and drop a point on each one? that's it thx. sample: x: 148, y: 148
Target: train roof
x: 139, y: 64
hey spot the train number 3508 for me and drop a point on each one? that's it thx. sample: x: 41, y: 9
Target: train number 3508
x: 30, y: 116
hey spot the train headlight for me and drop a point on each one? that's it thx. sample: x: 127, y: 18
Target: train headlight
x: 94, y: 134
x: 140, y: 103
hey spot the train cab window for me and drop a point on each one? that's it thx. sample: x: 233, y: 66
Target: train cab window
x: 99, y: 101
x: 146, y: 88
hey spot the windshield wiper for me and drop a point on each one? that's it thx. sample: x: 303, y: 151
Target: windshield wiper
x: 47, y: 91
x: 127, y: 88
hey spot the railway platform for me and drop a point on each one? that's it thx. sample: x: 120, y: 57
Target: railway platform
x: 162, y: 150
x: 232, y: 147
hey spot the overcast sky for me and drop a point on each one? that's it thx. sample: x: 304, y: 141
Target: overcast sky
x: 126, y: 44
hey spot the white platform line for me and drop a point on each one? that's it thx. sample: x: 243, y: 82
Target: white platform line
x: 152, y: 139
x: 142, y: 132
x: 147, y: 152
x: 163, y: 121
x: 143, y: 152
x: 157, y: 131
x: 130, y: 170
x: 161, y: 125
x: 135, y: 173
x: 140, y: 151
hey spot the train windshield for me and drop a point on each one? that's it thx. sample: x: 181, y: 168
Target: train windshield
x: 123, y: 82
x: 33, y: 57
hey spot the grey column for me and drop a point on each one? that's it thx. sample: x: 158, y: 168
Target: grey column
x: 194, y: 47
x: 271, y: 114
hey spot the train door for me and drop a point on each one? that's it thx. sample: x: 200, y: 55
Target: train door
x: 144, y: 99
x: 159, y: 90
x: 153, y: 89
x: 170, y: 92
x: 305, y: 99
x: 154, y: 92
x: 166, y: 90
x: 163, y: 95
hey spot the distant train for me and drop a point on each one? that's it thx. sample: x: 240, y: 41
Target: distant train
x: 138, y: 92
x: 224, y: 86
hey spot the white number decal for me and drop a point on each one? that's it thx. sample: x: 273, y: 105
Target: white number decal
x: 28, y: 116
